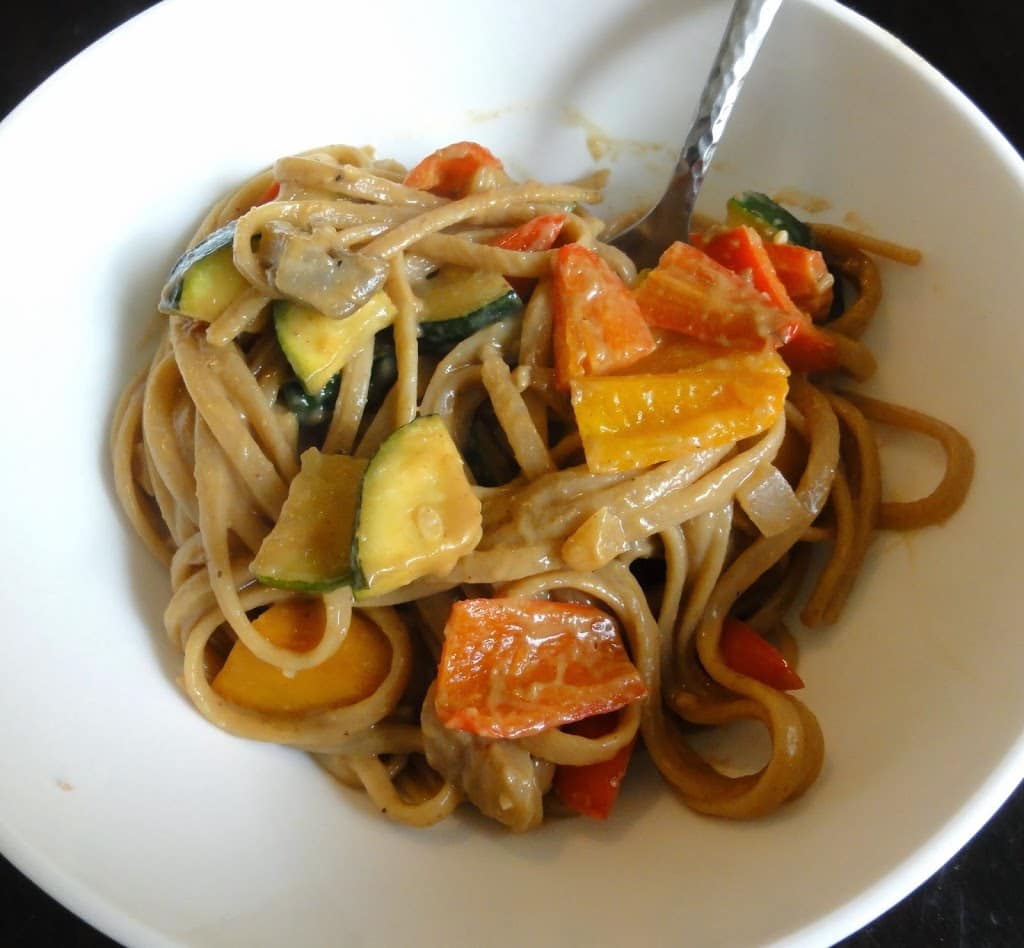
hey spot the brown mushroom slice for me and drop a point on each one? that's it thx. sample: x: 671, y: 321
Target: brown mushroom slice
x: 500, y: 777
x: 312, y: 269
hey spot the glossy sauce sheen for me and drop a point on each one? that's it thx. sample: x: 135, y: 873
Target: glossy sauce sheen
x: 513, y: 667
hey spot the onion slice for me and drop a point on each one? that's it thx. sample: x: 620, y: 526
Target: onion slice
x: 767, y: 498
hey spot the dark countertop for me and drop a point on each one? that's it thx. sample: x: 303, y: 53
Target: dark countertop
x: 975, y: 900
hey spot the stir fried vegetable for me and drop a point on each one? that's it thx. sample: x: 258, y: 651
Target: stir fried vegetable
x: 693, y: 294
x: 598, y: 326
x: 450, y: 171
x: 512, y: 667
x: 352, y: 673
x: 745, y: 651
x: 592, y: 789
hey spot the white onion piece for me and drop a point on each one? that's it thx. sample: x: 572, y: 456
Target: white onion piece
x: 770, y: 502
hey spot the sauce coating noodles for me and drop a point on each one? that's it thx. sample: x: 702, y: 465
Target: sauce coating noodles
x: 206, y: 451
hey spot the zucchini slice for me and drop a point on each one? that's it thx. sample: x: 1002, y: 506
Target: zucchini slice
x: 384, y: 373
x: 487, y: 452
x: 317, y: 346
x: 767, y: 217
x: 310, y: 547
x: 457, y: 302
x: 310, y: 410
x: 417, y: 511
x: 204, y: 281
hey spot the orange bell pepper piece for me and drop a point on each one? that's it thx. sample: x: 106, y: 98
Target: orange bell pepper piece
x: 449, y: 171
x: 743, y: 251
x: 352, y: 673
x: 513, y: 667
x: 691, y: 293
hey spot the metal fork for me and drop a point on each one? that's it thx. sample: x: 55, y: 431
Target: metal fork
x: 669, y: 219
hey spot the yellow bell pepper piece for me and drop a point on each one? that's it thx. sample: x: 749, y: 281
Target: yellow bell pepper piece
x: 632, y: 421
x: 352, y: 673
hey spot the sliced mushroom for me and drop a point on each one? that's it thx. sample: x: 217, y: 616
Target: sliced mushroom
x: 504, y: 781
x: 312, y: 269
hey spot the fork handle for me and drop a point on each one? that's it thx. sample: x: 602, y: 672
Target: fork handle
x: 669, y: 219
x: 748, y: 26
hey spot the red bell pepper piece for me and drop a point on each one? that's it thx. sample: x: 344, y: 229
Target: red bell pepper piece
x: 273, y: 190
x: 537, y: 234
x: 809, y: 349
x: 743, y: 251
x: 806, y: 348
x: 598, y: 327
x: 593, y: 788
x: 805, y: 275
x: 449, y: 171
x: 513, y: 667
x: 745, y: 651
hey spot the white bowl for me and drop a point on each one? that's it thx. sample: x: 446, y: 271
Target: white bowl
x: 159, y: 829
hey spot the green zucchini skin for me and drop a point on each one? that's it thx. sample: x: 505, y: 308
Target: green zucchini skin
x: 313, y: 412
x: 768, y: 217
x: 310, y: 410
x: 487, y: 452
x: 170, y: 297
x: 309, y: 549
x: 384, y: 373
x: 317, y: 346
x: 417, y: 513
x: 439, y: 337
x: 459, y: 302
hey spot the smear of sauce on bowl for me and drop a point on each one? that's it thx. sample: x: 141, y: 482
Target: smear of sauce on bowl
x: 811, y: 203
x: 602, y: 145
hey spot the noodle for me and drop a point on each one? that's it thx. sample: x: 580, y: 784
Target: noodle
x: 208, y: 453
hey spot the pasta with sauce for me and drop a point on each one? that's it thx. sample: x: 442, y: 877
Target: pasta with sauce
x: 454, y: 500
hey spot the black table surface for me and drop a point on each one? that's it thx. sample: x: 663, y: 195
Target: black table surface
x: 976, y: 899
